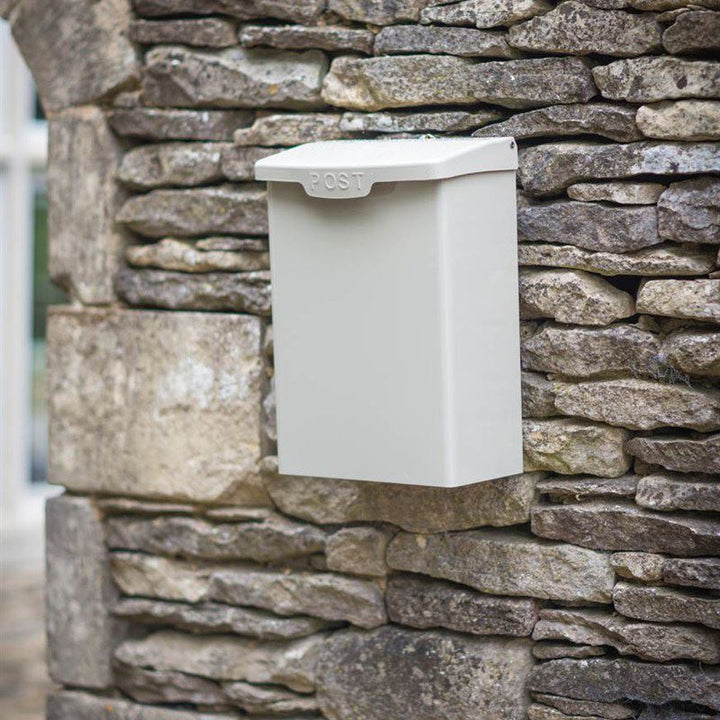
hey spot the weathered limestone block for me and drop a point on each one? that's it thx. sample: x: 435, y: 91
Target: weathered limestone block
x: 85, y: 245
x: 570, y: 706
x: 693, y: 572
x: 690, y: 211
x: 291, y: 129
x: 549, y: 169
x: 690, y: 299
x: 201, y: 32
x: 609, y: 120
x: 176, y: 76
x: 572, y: 296
x: 666, y: 491
x: 296, y: 37
x: 585, y: 352
x: 183, y: 256
x: 647, y: 641
x: 233, y: 292
x: 218, y: 618
x: 697, y: 31
x: 661, y: 604
x: 620, y: 193
x: 646, y: 567
x: 221, y: 209
x: 659, y: 260
x: 302, y: 11
x: 680, y: 120
x: 155, y: 404
x: 386, y: 82
x: 255, y: 700
x: 484, y: 14
x: 546, y: 650
x: 379, y: 12
x: 275, y: 538
x: 424, y: 603
x: 538, y: 396
x: 620, y: 525
x: 379, y: 675
x: 230, y: 244
x: 640, y: 404
x: 171, y: 124
x: 576, y: 488
x: 124, y: 506
x: 505, y: 501
x: 78, y: 52
x: 325, y: 595
x: 605, y: 680
x: 238, y: 163
x: 224, y: 657
x: 358, y: 551
x: 506, y: 562
x: 592, y: 226
x: 451, y: 121
x: 462, y: 42
x: 649, y: 79
x: 575, y: 28
x: 682, y: 454
x: 570, y: 447
x: 79, y: 592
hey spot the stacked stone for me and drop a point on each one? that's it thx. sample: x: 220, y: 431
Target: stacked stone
x: 188, y: 580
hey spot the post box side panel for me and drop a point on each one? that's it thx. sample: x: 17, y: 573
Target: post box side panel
x: 357, y: 329
x: 482, y: 316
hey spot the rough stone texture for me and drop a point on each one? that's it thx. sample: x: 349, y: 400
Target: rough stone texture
x: 569, y: 706
x: 423, y: 603
x: 680, y: 120
x: 695, y: 572
x: 483, y: 14
x: 273, y: 701
x: 572, y: 296
x: 575, y: 28
x: 461, y: 42
x: 378, y: 12
x: 85, y: 247
x: 621, y: 193
x: 202, y: 32
x: 587, y: 352
x: 387, y: 82
x: 613, y: 121
x: 223, y: 657
x: 682, y: 454
x: 549, y: 169
x: 378, y: 675
x: 238, y: 163
x: 180, y: 77
x: 591, y: 226
x: 358, y: 551
x: 182, y: 256
x: 679, y: 492
x: 451, y: 121
x: 690, y: 299
x: 538, y: 396
x: 78, y: 52
x: 662, y: 604
x: 624, y: 526
x: 570, y: 447
x: 295, y: 37
x: 649, y: 79
x: 546, y: 650
x: 233, y: 292
x: 506, y: 562
x: 293, y: 10
x: 231, y: 244
x: 604, y: 680
x: 290, y: 129
x: 659, y: 260
x: 221, y: 209
x: 581, y: 488
x: 418, y: 509
x: 156, y: 124
x: 647, y: 641
x: 640, y: 404
x: 646, y: 567
x: 690, y: 211
x: 79, y: 592
x: 194, y: 383
x: 218, y: 618
x: 697, y: 31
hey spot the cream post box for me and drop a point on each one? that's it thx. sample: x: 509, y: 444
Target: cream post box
x: 395, y: 309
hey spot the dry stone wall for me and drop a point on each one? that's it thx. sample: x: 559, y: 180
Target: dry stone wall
x: 188, y: 579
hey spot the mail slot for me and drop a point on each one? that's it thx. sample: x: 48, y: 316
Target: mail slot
x: 395, y: 309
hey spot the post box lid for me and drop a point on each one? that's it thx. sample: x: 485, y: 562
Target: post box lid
x: 349, y: 168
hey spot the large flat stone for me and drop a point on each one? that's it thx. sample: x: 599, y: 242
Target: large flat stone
x: 483, y: 14
x: 693, y: 33
x: 570, y: 706
x: 620, y: 193
x: 689, y: 211
x: 296, y: 37
x: 646, y: 567
x: 621, y: 525
x: 379, y: 12
x: 505, y: 562
x: 682, y: 454
x: 198, y: 32
x: 452, y: 121
x: 688, y: 299
x: 288, y: 129
x: 266, y: 701
x: 175, y: 76
x: 379, y: 675
x: 692, y: 572
x: 387, y: 82
x: 155, y: 404
x: 680, y: 120
x: 575, y: 488
x: 667, y: 491
x: 295, y: 10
